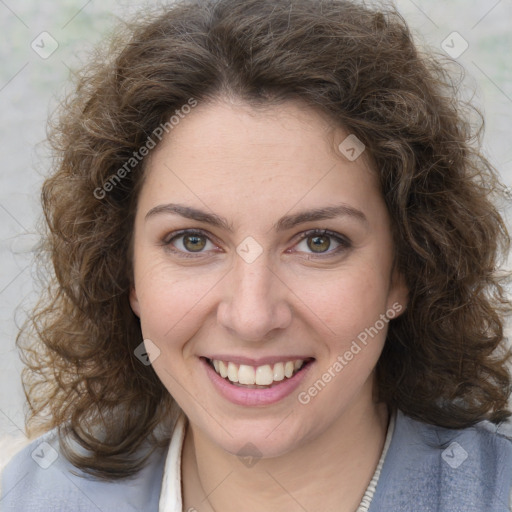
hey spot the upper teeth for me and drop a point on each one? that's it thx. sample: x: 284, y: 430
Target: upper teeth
x: 261, y: 375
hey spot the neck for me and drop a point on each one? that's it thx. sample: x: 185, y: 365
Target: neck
x: 329, y: 473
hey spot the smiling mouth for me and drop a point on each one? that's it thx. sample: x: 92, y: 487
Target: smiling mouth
x: 258, y: 377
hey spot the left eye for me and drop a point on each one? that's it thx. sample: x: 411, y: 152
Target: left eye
x: 321, y: 242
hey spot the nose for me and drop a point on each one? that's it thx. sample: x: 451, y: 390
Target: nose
x: 255, y: 301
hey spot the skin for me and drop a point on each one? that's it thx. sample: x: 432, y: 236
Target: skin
x: 253, y: 167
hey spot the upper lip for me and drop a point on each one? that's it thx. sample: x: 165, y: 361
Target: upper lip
x: 260, y: 361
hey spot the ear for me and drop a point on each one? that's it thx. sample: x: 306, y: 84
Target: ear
x: 134, y: 301
x: 398, y: 296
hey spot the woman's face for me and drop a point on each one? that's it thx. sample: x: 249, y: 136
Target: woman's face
x: 259, y: 243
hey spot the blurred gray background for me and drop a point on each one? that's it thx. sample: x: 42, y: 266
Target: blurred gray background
x: 43, y: 41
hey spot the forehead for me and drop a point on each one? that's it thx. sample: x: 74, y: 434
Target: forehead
x: 224, y: 153
x: 210, y: 129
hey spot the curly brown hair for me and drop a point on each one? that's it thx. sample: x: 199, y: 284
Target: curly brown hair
x: 445, y: 359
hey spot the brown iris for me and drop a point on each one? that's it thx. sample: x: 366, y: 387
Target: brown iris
x: 194, y: 243
x: 319, y: 243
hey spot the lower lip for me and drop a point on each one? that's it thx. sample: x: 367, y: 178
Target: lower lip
x: 255, y: 396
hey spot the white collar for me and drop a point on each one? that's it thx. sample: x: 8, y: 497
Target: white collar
x: 170, y: 495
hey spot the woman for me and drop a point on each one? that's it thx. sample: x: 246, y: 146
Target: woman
x: 276, y: 284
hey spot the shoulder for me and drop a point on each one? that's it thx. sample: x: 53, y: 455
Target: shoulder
x: 434, y: 468
x: 10, y: 445
x: 39, y: 478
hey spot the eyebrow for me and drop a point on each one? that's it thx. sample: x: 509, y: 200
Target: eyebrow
x: 327, y: 212
x: 284, y: 223
x: 190, y: 213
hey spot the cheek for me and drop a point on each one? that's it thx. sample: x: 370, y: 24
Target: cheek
x: 348, y: 302
x: 351, y: 307
x: 171, y: 303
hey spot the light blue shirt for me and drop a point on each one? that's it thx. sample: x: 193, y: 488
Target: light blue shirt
x: 426, y: 469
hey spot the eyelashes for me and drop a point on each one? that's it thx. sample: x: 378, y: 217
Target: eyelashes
x: 319, y: 241
x: 190, y: 241
x: 315, y: 243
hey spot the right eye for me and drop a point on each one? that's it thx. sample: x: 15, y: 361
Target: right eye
x: 189, y: 242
